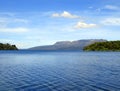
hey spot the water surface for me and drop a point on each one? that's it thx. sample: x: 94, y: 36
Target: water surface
x: 59, y: 71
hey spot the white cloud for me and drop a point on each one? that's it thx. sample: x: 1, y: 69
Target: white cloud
x: 7, y: 14
x: 84, y: 25
x: 98, y: 9
x: 111, y: 7
x: 68, y: 15
x: 5, y: 40
x: 12, y: 20
x: 55, y: 15
x: 5, y: 21
x: 20, y: 20
x: 22, y: 45
x: 111, y: 21
x: 14, y: 30
x: 108, y: 7
x: 19, y: 44
x: 91, y: 7
x: 65, y: 14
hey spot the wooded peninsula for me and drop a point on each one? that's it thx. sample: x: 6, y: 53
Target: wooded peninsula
x: 7, y: 47
x: 104, y: 46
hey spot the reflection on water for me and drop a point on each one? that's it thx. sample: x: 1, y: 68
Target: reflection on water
x: 59, y: 71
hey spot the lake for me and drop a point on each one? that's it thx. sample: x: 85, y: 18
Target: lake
x: 59, y: 71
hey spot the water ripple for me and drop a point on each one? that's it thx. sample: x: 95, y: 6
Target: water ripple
x: 60, y: 72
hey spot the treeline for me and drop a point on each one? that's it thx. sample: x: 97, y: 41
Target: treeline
x: 7, y: 47
x: 104, y: 46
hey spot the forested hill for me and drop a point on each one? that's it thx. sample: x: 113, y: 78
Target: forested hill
x: 7, y: 47
x: 104, y: 46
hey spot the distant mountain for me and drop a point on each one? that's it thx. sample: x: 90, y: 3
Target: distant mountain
x: 68, y: 45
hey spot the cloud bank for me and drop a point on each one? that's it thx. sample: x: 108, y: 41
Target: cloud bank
x: 111, y: 21
x: 111, y: 7
x: 65, y: 14
x: 80, y: 25
x: 14, y: 30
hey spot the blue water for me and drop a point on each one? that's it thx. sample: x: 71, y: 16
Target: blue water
x: 59, y: 71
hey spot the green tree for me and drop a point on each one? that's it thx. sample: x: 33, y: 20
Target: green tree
x: 7, y: 47
x: 104, y: 46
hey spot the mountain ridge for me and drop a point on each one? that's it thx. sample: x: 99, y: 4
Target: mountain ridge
x: 68, y: 45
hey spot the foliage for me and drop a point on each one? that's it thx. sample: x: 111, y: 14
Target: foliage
x: 7, y: 47
x: 104, y: 46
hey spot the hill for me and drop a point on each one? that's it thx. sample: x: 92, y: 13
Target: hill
x: 104, y: 46
x: 68, y: 45
x: 7, y: 47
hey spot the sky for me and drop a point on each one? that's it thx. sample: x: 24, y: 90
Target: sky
x: 29, y: 23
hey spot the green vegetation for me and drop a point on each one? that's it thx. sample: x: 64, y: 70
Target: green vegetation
x: 103, y: 46
x: 7, y: 47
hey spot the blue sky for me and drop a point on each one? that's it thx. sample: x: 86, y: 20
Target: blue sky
x: 29, y: 23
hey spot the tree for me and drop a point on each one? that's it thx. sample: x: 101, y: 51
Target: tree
x: 7, y: 47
